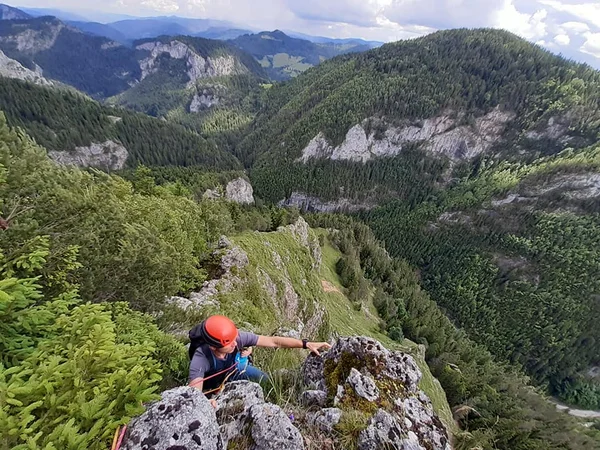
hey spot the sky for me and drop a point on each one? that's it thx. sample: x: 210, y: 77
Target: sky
x: 568, y: 27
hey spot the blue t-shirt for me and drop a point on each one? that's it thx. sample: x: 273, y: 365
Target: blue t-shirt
x: 204, y: 359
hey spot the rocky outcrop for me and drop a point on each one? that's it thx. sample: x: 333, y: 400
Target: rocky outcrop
x: 359, y: 374
x: 202, y: 101
x: 364, y: 378
x: 556, y: 128
x: 440, y: 135
x: 182, y: 419
x: 573, y: 186
x: 298, y: 316
x: 198, y: 66
x: 240, y: 191
x: 243, y: 415
x: 307, y: 203
x: 107, y: 156
x: 14, y: 69
x: 33, y: 41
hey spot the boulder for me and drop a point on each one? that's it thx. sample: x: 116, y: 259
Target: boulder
x: 324, y: 419
x: 314, y: 398
x: 243, y: 415
x: 240, y: 191
x: 183, y: 418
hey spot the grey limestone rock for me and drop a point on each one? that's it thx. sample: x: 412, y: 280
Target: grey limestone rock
x: 240, y: 191
x: 325, y: 419
x: 363, y: 385
x: 198, y: 66
x: 107, y: 155
x: 312, y: 372
x: 11, y: 68
x: 314, y: 398
x: 183, y: 418
x: 439, y: 135
x: 383, y: 431
x: 242, y: 411
x: 273, y: 430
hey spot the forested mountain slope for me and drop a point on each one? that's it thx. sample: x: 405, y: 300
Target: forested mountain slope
x: 479, y: 149
x: 455, y: 94
x: 92, y: 64
x: 9, y: 13
x: 511, y: 254
x: 207, y: 85
x: 285, y: 57
x: 70, y: 123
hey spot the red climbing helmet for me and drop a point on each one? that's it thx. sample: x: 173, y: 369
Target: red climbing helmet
x: 219, y: 331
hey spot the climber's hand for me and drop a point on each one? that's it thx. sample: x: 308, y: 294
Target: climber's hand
x: 246, y: 352
x: 213, y: 402
x: 314, y: 347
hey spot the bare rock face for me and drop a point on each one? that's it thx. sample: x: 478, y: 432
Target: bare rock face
x: 242, y: 411
x: 108, y: 156
x: 556, y: 128
x: 573, y: 186
x: 325, y: 419
x: 438, y: 135
x: 308, y: 203
x: 359, y: 373
x: 198, y: 67
x: 34, y: 41
x: 11, y: 68
x: 183, y: 418
x: 240, y: 191
x: 202, y: 101
x: 314, y: 398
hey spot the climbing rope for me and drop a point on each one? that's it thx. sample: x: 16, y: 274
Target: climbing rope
x: 118, y: 439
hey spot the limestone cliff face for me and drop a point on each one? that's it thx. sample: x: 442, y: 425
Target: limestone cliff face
x: 306, y: 202
x: 14, y: 69
x: 33, y: 41
x: 107, y: 156
x: 357, y: 378
x: 198, y: 66
x: 439, y: 135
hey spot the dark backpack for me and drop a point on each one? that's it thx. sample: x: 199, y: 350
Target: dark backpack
x: 196, y: 340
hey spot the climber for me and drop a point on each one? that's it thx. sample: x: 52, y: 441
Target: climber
x: 218, y: 353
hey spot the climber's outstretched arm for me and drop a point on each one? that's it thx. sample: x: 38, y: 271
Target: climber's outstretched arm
x: 286, y: 342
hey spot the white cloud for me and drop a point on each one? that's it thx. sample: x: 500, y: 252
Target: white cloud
x: 576, y: 27
x: 586, y: 11
x: 529, y: 26
x: 592, y: 44
x: 161, y: 5
x: 562, y: 39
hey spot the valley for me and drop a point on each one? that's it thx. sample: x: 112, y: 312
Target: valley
x: 439, y: 194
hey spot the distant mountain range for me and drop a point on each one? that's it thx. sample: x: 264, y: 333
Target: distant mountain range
x: 10, y: 13
x: 281, y: 56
